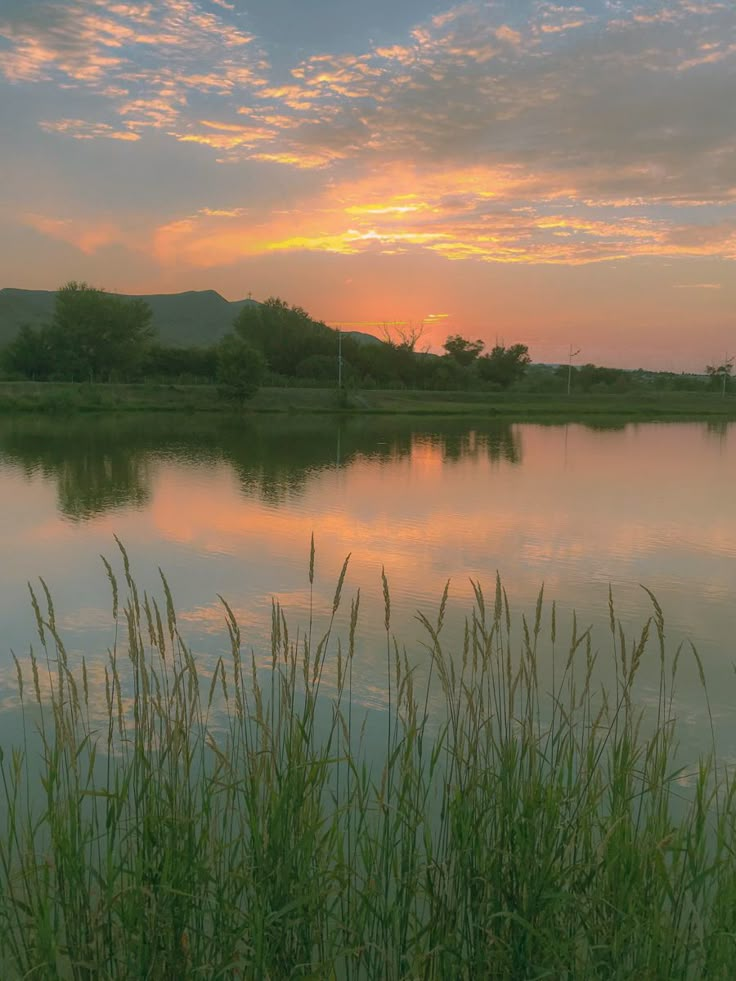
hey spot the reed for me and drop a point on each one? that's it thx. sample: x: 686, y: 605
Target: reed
x: 166, y: 819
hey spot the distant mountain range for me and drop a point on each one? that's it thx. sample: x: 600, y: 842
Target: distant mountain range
x: 197, y: 317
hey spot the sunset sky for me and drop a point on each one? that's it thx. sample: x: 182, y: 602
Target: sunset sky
x: 547, y: 173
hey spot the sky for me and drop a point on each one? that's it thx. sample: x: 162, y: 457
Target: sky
x: 556, y: 174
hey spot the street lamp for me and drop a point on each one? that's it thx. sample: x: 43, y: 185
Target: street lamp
x: 727, y: 365
x: 573, y: 354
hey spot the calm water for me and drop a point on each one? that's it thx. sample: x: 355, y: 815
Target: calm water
x: 229, y: 508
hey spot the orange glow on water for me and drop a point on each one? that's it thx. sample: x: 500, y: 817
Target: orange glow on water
x: 569, y: 507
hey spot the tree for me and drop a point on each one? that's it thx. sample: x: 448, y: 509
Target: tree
x: 399, y: 363
x: 504, y: 365
x: 321, y: 367
x: 590, y: 376
x: 720, y: 373
x: 30, y: 354
x: 403, y: 337
x: 462, y: 350
x: 445, y: 373
x: 286, y: 335
x: 95, y: 335
x: 181, y: 363
x: 240, y: 368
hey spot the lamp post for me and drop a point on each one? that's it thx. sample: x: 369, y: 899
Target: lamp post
x: 727, y: 365
x: 569, y: 367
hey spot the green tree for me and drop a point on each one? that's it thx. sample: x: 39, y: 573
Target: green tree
x: 286, y: 335
x: 96, y: 336
x: 591, y: 377
x: 720, y: 374
x: 504, y: 365
x: 180, y: 363
x: 240, y: 368
x: 323, y: 368
x: 462, y: 350
x: 445, y: 373
x: 30, y: 354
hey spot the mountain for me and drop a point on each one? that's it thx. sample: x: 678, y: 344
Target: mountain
x: 19, y: 307
x: 360, y: 337
x: 195, y: 317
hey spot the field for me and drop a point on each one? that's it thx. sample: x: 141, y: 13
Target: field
x: 237, y: 820
x: 63, y: 397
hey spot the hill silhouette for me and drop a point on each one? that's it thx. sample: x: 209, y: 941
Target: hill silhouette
x: 193, y: 318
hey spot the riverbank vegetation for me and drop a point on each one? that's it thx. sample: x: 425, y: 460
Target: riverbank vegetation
x: 237, y: 817
x: 96, y: 338
x: 57, y: 398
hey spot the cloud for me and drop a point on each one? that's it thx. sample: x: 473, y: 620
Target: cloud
x: 143, y: 55
x: 558, y: 19
x: 467, y: 85
x: 223, y: 212
x: 86, y: 236
x: 567, y: 134
x: 226, y: 136
x: 716, y: 238
x: 463, y: 213
x: 81, y: 129
x: 577, y: 113
x: 640, y: 107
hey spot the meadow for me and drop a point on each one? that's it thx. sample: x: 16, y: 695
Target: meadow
x: 168, y: 818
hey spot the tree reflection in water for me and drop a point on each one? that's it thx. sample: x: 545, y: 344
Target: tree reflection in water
x: 108, y: 462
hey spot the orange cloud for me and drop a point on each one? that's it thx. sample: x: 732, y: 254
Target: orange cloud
x: 457, y: 214
x: 156, y: 113
x: 567, y: 25
x: 302, y: 160
x: 505, y: 33
x: 709, y: 54
x: 226, y: 136
x: 82, y: 130
x: 88, y: 237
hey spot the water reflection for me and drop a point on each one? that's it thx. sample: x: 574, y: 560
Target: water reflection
x: 498, y: 444
x: 94, y: 470
x: 228, y: 506
x: 107, y: 463
x: 717, y: 427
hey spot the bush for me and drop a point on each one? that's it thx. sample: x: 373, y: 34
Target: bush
x: 240, y: 369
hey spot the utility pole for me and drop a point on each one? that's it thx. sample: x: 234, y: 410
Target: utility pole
x: 339, y: 358
x: 573, y: 354
x: 727, y: 363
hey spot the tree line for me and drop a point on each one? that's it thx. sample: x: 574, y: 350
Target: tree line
x: 95, y: 336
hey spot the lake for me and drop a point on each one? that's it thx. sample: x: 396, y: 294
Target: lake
x: 229, y: 506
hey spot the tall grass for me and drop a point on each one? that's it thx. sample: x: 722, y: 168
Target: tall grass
x: 236, y: 823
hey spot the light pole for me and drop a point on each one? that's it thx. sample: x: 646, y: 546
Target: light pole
x: 727, y: 363
x: 573, y: 354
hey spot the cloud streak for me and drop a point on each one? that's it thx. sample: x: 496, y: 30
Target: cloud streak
x: 456, y: 214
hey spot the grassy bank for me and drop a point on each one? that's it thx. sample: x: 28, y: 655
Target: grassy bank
x: 65, y: 397
x: 231, y: 821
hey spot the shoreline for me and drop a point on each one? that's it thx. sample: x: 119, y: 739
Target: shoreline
x: 18, y: 398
